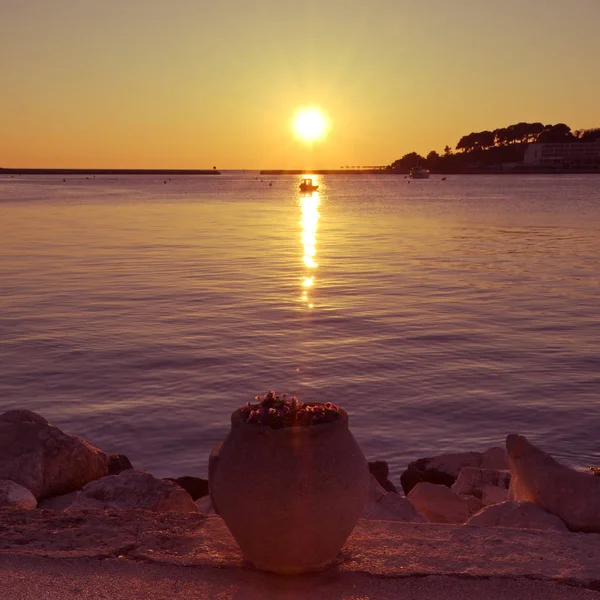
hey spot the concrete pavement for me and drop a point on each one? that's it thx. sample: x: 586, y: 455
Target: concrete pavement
x: 137, y: 554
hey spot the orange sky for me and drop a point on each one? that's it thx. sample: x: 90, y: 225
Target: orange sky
x: 188, y: 84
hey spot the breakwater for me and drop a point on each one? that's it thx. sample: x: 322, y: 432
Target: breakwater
x: 13, y: 171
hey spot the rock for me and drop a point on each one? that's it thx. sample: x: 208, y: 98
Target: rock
x: 495, y: 458
x: 194, y: 486
x: 118, y: 463
x: 72, y: 501
x: 571, y: 495
x: 521, y: 515
x: 17, y: 417
x: 213, y: 461
x: 14, y: 495
x: 515, y: 492
x: 375, y: 491
x: 393, y: 507
x: 205, y: 506
x: 60, y: 502
x: 444, y: 469
x: 493, y: 495
x: 489, y: 485
x: 595, y: 471
x: 439, y: 504
x: 388, y: 506
x: 43, y: 459
x: 380, y: 470
x: 137, y: 489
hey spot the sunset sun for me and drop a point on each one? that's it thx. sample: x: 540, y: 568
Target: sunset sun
x: 310, y: 124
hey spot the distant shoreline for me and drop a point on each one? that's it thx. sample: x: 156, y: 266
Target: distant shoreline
x: 109, y: 172
x: 273, y: 172
x: 326, y: 172
x: 519, y: 171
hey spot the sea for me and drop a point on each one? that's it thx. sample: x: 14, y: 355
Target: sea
x: 139, y: 312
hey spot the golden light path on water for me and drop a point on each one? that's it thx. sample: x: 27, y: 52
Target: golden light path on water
x: 310, y: 220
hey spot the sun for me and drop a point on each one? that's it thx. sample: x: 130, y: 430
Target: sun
x: 310, y: 124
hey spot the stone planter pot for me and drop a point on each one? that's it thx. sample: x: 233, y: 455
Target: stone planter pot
x: 290, y: 496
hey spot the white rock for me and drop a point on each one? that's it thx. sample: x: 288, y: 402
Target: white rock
x: 16, y: 496
x: 136, y: 489
x: 392, y: 507
x: 493, y: 495
x: 489, y: 485
x: 444, y: 469
x: 520, y: 515
x: 515, y: 492
x: 388, y: 506
x: 205, y: 506
x: 43, y: 459
x: 376, y: 491
x: 572, y: 496
x: 439, y: 504
x: 495, y: 458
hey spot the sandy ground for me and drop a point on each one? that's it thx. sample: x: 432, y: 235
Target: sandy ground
x: 34, y: 578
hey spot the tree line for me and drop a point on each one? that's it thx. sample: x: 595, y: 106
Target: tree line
x: 487, y: 148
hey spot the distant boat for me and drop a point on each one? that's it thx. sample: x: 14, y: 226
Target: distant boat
x: 419, y: 173
x: 307, y: 186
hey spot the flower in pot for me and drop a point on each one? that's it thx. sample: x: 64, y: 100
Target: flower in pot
x: 290, y: 482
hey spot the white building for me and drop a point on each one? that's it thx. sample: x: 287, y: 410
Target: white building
x: 571, y: 154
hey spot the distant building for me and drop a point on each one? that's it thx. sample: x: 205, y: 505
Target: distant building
x: 563, y: 155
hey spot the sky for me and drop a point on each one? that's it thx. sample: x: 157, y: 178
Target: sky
x: 193, y: 84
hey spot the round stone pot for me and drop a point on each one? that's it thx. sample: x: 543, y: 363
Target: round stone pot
x: 290, y: 496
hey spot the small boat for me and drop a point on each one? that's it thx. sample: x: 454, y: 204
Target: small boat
x: 307, y: 186
x: 419, y: 173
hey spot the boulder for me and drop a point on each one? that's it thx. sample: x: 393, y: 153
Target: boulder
x: 14, y: 495
x: 489, y: 485
x: 444, y: 469
x: 213, y: 461
x: 388, y: 506
x: 380, y: 470
x: 43, y: 459
x: 439, y: 504
x: 520, y: 515
x: 137, y: 489
x: 194, y: 486
x: 205, y: 506
x: 118, y: 463
x: 493, y: 495
x: 571, y: 495
x: 375, y: 491
x: 494, y: 458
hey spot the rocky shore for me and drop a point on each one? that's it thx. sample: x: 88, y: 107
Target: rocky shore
x: 513, y: 514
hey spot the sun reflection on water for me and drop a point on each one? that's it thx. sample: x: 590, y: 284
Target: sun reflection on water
x: 310, y: 219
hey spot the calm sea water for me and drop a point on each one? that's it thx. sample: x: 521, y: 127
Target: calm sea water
x: 442, y: 315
